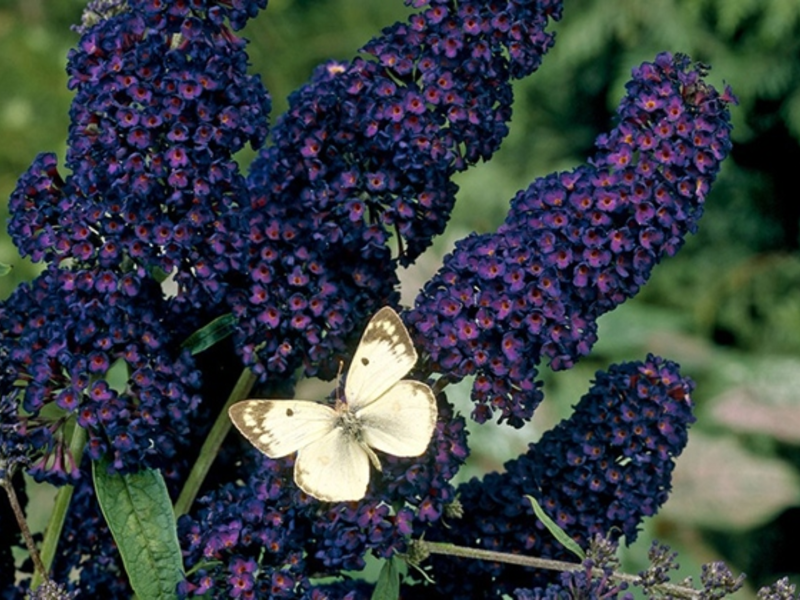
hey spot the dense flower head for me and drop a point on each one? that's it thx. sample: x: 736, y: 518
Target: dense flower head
x: 162, y: 102
x: 90, y: 345
x: 599, y: 472
x: 362, y: 160
x: 278, y: 535
x: 375, y: 141
x: 304, y: 301
x: 576, y: 244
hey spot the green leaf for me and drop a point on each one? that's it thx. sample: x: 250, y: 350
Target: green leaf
x: 4, y: 269
x: 117, y: 375
x: 557, y: 532
x: 388, y: 585
x: 208, y: 335
x: 139, y: 513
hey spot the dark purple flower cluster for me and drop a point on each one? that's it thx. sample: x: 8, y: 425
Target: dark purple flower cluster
x: 91, y: 344
x: 265, y: 538
x: 365, y: 153
x: 579, y: 584
x: 14, y: 447
x: 347, y: 589
x: 162, y: 102
x: 577, y: 244
x: 603, y: 470
x: 373, y: 143
x: 302, y: 300
x: 551, y: 592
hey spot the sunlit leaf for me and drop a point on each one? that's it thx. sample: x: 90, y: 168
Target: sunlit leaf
x: 139, y: 514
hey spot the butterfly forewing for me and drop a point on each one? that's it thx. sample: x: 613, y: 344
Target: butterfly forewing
x: 383, y: 357
x: 402, y: 420
x: 334, y: 468
x: 280, y: 427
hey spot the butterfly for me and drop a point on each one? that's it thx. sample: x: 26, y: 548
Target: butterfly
x: 336, y: 444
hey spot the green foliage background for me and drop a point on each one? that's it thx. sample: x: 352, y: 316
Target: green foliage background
x: 727, y: 307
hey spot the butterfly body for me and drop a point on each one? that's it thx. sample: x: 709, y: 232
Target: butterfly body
x: 335, y: 444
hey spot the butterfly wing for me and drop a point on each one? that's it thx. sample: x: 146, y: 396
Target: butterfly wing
x: 334, y: 468
x: 383, y: 357
x: 401, y: 421
x: 280, y: 427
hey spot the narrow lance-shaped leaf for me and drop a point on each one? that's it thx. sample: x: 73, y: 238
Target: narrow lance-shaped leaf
x: 557, y: 532
x: 208, y: 335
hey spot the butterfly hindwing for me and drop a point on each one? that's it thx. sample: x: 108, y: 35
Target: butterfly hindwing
x: 334, y: 468
x: 280, y: 427
x: 384, y: 356
x: 402, y: 420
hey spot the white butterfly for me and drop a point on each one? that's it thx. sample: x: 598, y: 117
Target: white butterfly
x: 334, y: 445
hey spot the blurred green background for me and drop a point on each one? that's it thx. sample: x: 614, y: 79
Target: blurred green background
x: 727, y: 307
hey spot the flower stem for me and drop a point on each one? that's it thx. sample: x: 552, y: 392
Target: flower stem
x: 53, y: 532
x: 212, y: 444
x: 19, y: 514
x: 491, y: 555
x: 679, y: 591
